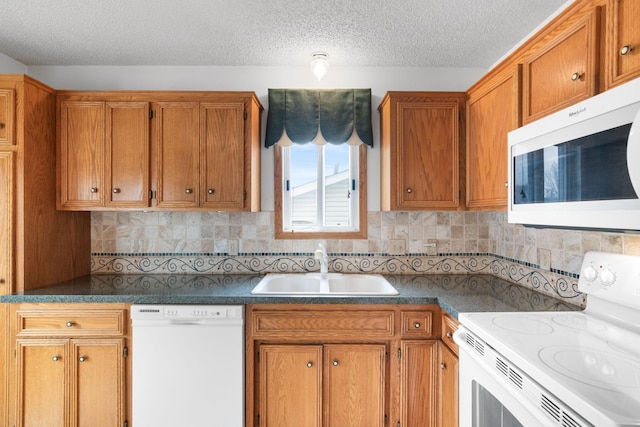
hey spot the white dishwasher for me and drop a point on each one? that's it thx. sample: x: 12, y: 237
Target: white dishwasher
x: 188, y: 365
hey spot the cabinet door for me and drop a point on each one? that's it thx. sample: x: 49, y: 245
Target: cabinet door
x: 177, y: 154
x: 127, y: 154
x: 493, y: 110
x: 354, y: 385
x: 447, y: 387
x: 290, y: 386
x: 427, y: 153
x: 6, y: 222
x: 81, y: 151
x: 223, y: 145
x: 7, y: 116
x: 41, y: 381
x: 97, y: 386
x: 563, y: 71
x: 622, y: 54
x: 418, y: 383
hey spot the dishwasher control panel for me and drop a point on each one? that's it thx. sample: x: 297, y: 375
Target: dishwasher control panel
x: 186, y: 312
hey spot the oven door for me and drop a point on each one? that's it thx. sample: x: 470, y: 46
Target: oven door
x: 485, y: 401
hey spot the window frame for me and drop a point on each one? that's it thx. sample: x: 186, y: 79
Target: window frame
x: 280, y: 233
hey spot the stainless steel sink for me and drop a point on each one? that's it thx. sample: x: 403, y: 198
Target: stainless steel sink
x: 325, y: 284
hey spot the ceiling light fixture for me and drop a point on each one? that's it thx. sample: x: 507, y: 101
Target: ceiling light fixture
x: 319, y: 64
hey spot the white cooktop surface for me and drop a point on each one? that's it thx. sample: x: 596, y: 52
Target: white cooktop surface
x: 590, y: 365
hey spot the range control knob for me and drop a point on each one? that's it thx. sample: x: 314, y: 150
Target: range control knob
x: 590, y: 274
x: 608, y: 277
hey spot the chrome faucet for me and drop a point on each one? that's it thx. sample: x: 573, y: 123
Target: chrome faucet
x: 321, y: 255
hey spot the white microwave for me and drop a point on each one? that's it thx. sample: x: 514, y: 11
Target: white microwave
x: 580, y: 167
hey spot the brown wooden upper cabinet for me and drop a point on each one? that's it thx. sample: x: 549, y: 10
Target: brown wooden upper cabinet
x: 7, y: 116
x: 164, y: 151
x: 622, y: 42
x: 563, y: 70
x: 104, y: 154
x: 493, y: 110
x: 420, y: 138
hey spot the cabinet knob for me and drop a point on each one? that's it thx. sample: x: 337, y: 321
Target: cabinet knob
x: 625, y: 50
x: 448, y: 334
x: 409, y: 190
x: 55, y: 358
x: 82, y: 358
x: 69, y: 324
x: 506, y: 184
x: 335, y: 363
x: 417, y: 325
x: 94, y: 190
x: 116, y: 190
x: 188, y: 191
x: 443, y: 365
x: 211, y: 191
x: 575, y: 76
x: 309, y: 364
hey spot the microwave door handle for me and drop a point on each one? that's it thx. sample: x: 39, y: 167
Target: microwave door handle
x: 633, y: 153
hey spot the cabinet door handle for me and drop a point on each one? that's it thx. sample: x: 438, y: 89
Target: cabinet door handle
x: 94, y: 190
x: 69, y: 324
x: 188, y: 191
x: 443, y: 365
x: 409, y: 190
x: 116, y: 190
x: 309, y: 364
x: 335, y: 362
x: 448, y: 334
x: 625, y: 50
x: 417, y: 325
x: 82, y: 358
x: 55, y: 358
x: 211, y: 191
x: 576, y: 76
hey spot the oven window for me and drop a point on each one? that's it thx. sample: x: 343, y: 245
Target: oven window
x: 593, y: 167
x: 488, y: 411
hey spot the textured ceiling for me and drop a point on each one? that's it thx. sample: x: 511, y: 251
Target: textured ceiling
x: 377, y: 33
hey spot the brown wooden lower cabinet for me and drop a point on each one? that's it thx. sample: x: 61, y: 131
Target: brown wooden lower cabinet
x: 69, y: 365
x: 347, y: 366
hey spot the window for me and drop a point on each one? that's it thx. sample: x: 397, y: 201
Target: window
x: 320, y: 191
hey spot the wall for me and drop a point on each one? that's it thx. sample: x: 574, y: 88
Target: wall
x: 399, y: 242
x: 11, y: 66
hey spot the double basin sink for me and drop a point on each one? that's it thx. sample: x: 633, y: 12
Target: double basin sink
x: 324, y: 284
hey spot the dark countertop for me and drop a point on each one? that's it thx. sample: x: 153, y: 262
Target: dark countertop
x: 455, y: 293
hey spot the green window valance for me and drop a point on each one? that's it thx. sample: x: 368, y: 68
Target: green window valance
x: 337, y: 116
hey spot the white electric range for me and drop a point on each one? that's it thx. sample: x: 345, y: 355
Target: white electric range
x: 569, y: 369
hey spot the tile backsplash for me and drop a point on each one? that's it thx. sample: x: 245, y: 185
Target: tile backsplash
x: 433, y: 242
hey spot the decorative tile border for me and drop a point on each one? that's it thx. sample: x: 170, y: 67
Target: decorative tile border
x: 553, y: 283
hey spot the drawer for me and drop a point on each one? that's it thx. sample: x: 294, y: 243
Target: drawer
x: 449, y: 326
x: 417, y: 324
x: 323, y: 324
x: 70, y: 323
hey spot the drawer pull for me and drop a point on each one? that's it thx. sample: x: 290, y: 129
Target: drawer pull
x: 55, y: 358
x: 575, y: 76
x: 335, y: 363
x: 443, y: 365
x: 409, y: 190
x: 449, y: 335
x: 82, y: 358
x: 309, y: 364
x: 211, y: 191
x: 625, y: 50
x: 116, y: 190
x: 188, y: 191
x: 93, y: 190
x: 69, y: 324
x: 417, y: 325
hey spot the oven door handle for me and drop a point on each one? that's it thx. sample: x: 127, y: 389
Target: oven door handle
x: 460, y: 337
